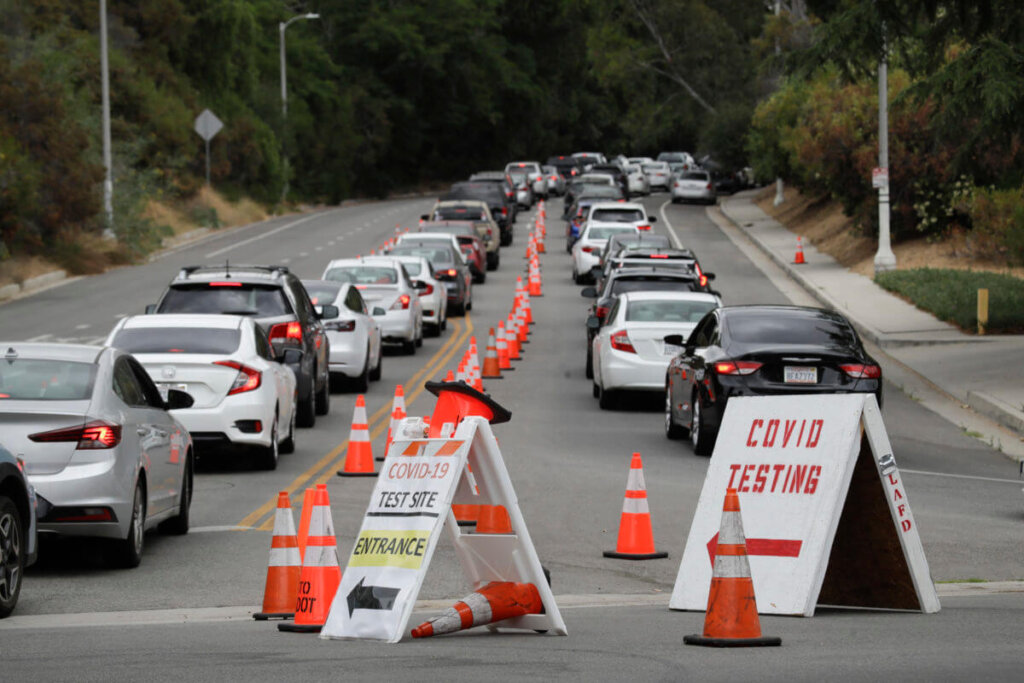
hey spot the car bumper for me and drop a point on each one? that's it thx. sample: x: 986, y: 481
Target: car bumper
x: 432, y: 306
x: 695, y: 195
x: 233, y: 413
x: 397, y: 326
x: 348, y: 354
x: 94, y: 484
x: 584, y: 262
x: 629, y: 371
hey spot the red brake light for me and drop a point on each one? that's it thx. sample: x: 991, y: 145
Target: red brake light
x: 504, y: 211
x: 708, y: 186
x: 590, y: 250
x: 737, y: 367
x: 658, y: 256
x: 601, y: 312
x: 225, y: 284
x: 620, y: 341
x: 861, y: 371
x: 401, y: 303
x: 339, y: 326
x: 644, y: 227
x: 452, y: 272
x: 93, y: 435
x: 428, y: 290
x: 288, y: 333
x: 247, y: 378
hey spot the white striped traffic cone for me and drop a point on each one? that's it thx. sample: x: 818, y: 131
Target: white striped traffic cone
x: 636, y: 536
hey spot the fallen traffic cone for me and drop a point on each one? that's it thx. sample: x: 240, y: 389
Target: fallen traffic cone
x: 321, y: 574
x: 493, y: 519
x: 497, y: 601
x: 799, y: 258
x: 636, y: 538
x: 492, y: 368
x: 504, y: 362
x: 284, y: 566
x: 359, y: 456
x: 731, y: 619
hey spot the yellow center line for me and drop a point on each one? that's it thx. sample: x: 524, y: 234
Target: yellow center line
x: 377, y: 424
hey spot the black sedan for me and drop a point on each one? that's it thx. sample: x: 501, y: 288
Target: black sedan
x: 760, y: 350
x: 449, y: 267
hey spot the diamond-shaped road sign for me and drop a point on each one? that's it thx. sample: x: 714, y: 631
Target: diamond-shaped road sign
x: 207, y: 125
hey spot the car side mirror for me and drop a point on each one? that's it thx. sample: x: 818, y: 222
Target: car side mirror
x: 419, y: 284
x: 593, y: 322
x: 327, y: 312
x: 378, y: 311
x: 177, y: 399
x: 150, y: 309
x: 424, y: 217
x: 709, y: 276
x: 674, y: 339
x: 589, y: 292
x: 290, y: 357
x: 652, y: 219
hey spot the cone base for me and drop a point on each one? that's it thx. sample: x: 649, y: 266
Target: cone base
x: 763, y: 641
x: 300, y: 628
x: 343, y: 473
x: 634, y: 556
x: 381, y: 458
x: 491, y: 376
x: 263, y: 616
x: 466, y: 522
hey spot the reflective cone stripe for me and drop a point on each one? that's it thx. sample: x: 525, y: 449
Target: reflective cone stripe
x: 359, y: 455
x: 397, y: 414
x: 321, y: 573
x: 512, y: 339
x: 284, y: 566
x: 799, y: 258
x: 528, y: 308
x: 523, y: 328
x: 731, y: 619
x: 501, y: 347
x: 492, y: 366
x: 636, y: 536
x: 497, y: 601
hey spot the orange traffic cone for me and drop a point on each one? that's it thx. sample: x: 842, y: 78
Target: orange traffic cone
x: 359, y: 456
x: 492, y: 603
x: 799, y: 258
x: 636, y: 538
x: 528, y: 308
x: 321, y: 574
x: 307, y: 514
x: 397, y: 413
x: 523, y: 329
x: 492, y: 367
x: 731, y: 619
x: 512, y: 337
x: 504, y: 361
x: 284, y: 566
x: 493, y: 519
x: 535, y: 288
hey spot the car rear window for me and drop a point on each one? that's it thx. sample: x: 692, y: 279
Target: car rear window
x: 437, y: 257
x: 30, y: 379
x: 178, y: 340
x: 602, y: 192
x: 413, y: 268
x: 694, y: 175
x: 237, y: 298
x: 322, y: 293
x: 648, y: 168
x: 651, y: 285
x: 667, y: 311
x: 785, y: 327
x: 364, y: 275
x: 619, y: 215
x: 459, y: 214
x: 450, y: 229
x: 602, y: 232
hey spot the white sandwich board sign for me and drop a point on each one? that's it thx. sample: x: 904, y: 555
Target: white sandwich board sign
x: 411, y: 502
x: 825, y: 511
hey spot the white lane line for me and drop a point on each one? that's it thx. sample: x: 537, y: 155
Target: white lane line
x: 664, y: 219
x: 42, y: 337
x: 276, y: 230
x: 303, y: 254
x: 318, y: 249
x: 121, y: 315
x: 965, y: 476
x: 83, y: 326
x: 285, y: 260
x: 212, y: 529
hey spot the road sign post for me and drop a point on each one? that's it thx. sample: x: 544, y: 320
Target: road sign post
x: 207, y: 125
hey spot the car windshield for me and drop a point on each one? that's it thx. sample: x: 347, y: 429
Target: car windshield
x: 237, y: 298
x: 694, y: 175
x: 667, y: 311
x: 364, y: 275
x: 178, y: 340
x: 619, y: 215
x: 30, y: 379
x: 784, y: 327
x: 651, y: 285
x: 603, y: 232
x: 460, y: 213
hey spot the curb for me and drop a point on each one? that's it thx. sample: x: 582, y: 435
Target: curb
x: 997, y: 409
x: 32, y: 284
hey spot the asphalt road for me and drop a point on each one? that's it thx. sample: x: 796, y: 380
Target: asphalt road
x: 568, y: 461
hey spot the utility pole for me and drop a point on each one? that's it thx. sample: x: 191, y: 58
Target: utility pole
x: 108, y: 181
x: 884, y: 258
x: 779, y: 196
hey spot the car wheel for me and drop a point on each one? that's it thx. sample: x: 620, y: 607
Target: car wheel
x: 576, y: 277
x: 12, y: 558
x: 288, y: 445
x: 607, y: 400
x: 457, y: 309
x: 322, y: 401
x: 444, y: 322
x: 361, y: 383
x: 307, y: 413
x: 266, y: 458
x: 375, y: 373
x: 481, y: 277
x: 419, y: 337
x: 178, y: 525
x: 595, y: 390
x: 672, y: 430
x: 590, y: 363
x: 127, y: 553
x: 493, y: 259
x: 700, y: 436
x: 409, y: 347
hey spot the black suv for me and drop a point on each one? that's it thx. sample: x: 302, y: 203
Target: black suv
x: 280, y: 305
x: 496, y: 194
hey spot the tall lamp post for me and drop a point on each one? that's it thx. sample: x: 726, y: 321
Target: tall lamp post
x: 108, y: 181
x: 281, y: 27
x: 884, y: 258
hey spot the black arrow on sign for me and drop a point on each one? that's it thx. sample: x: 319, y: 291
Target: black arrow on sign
x: 371, y: 597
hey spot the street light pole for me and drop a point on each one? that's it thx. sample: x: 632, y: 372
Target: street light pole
x: 281, y: 27
x: 108, y: 181
x: 885, y: 259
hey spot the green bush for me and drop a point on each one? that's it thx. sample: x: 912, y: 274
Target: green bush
x: 998, y: 220
x: 952, y: 295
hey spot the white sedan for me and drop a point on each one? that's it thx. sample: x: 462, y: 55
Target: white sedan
x: 586, y: 252
x: 355, y: 339
x: 434, y: 296
x: 242, y: 395
x: 630, y: 351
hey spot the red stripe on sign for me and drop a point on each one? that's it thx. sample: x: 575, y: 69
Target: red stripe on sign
x: 767, y: 547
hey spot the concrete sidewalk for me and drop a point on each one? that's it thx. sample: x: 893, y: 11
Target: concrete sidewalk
x: 984, y: 373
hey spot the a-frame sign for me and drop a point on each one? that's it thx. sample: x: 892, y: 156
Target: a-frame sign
x: 458, y: 461
x: 825, y: 511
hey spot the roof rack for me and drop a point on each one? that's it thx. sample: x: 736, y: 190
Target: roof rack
x: 186, y: 271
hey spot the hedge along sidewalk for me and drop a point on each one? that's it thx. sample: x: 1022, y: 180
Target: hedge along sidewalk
x: 952, y: 295
x: 985, y: 373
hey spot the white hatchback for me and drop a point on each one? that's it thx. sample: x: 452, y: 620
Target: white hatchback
x: 586, y: 252
x: 242, y: 395
x: 434, y: 296
x: 630, y: 351
x: 355, y: 340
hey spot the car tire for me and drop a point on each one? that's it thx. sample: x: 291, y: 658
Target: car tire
x: 577, y: 278
x: 376, y: 372
x: 288, y: 445
x: 12, y: 555
x: 409, y: 347
x: 444, y: 322
x: 127, y: 552
x: 480, y: 277
x: 419, y: 337
x: 590, y: 364
x: 178, y: 525
x: 361, y: 382
x: 672, y: 430
x: 700, y: 436
x: 607, y: 400
x: 322, y: 400
x: 267, y: 456
x: 493, y: 260
x: 307, y: 412
x: 595, y: 390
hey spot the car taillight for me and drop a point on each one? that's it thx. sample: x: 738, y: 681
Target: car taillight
x: 225, y: 284
x: 658, y: 255
x: 429, y: 289
x: 247, y: 378
x: 590, y: 250
x: 401, y: 303
x: 620, y: 341
x: 861, y: 371
x: 93, y: 435
x: 736, y: 367
x: 451, y: 272
x: 643, y: 227
x: 340, y: 325
x: 504, y: 211
x: 708, y: 186
x: 701, y: 277
x: 601, y: 312
x: 287, y: 333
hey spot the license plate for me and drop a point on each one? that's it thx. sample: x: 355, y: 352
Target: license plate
x: 798, y: 374
x: 671, y: 349
x: 164, y: 387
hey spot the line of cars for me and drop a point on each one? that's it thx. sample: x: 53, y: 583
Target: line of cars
x: 656, y: 324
